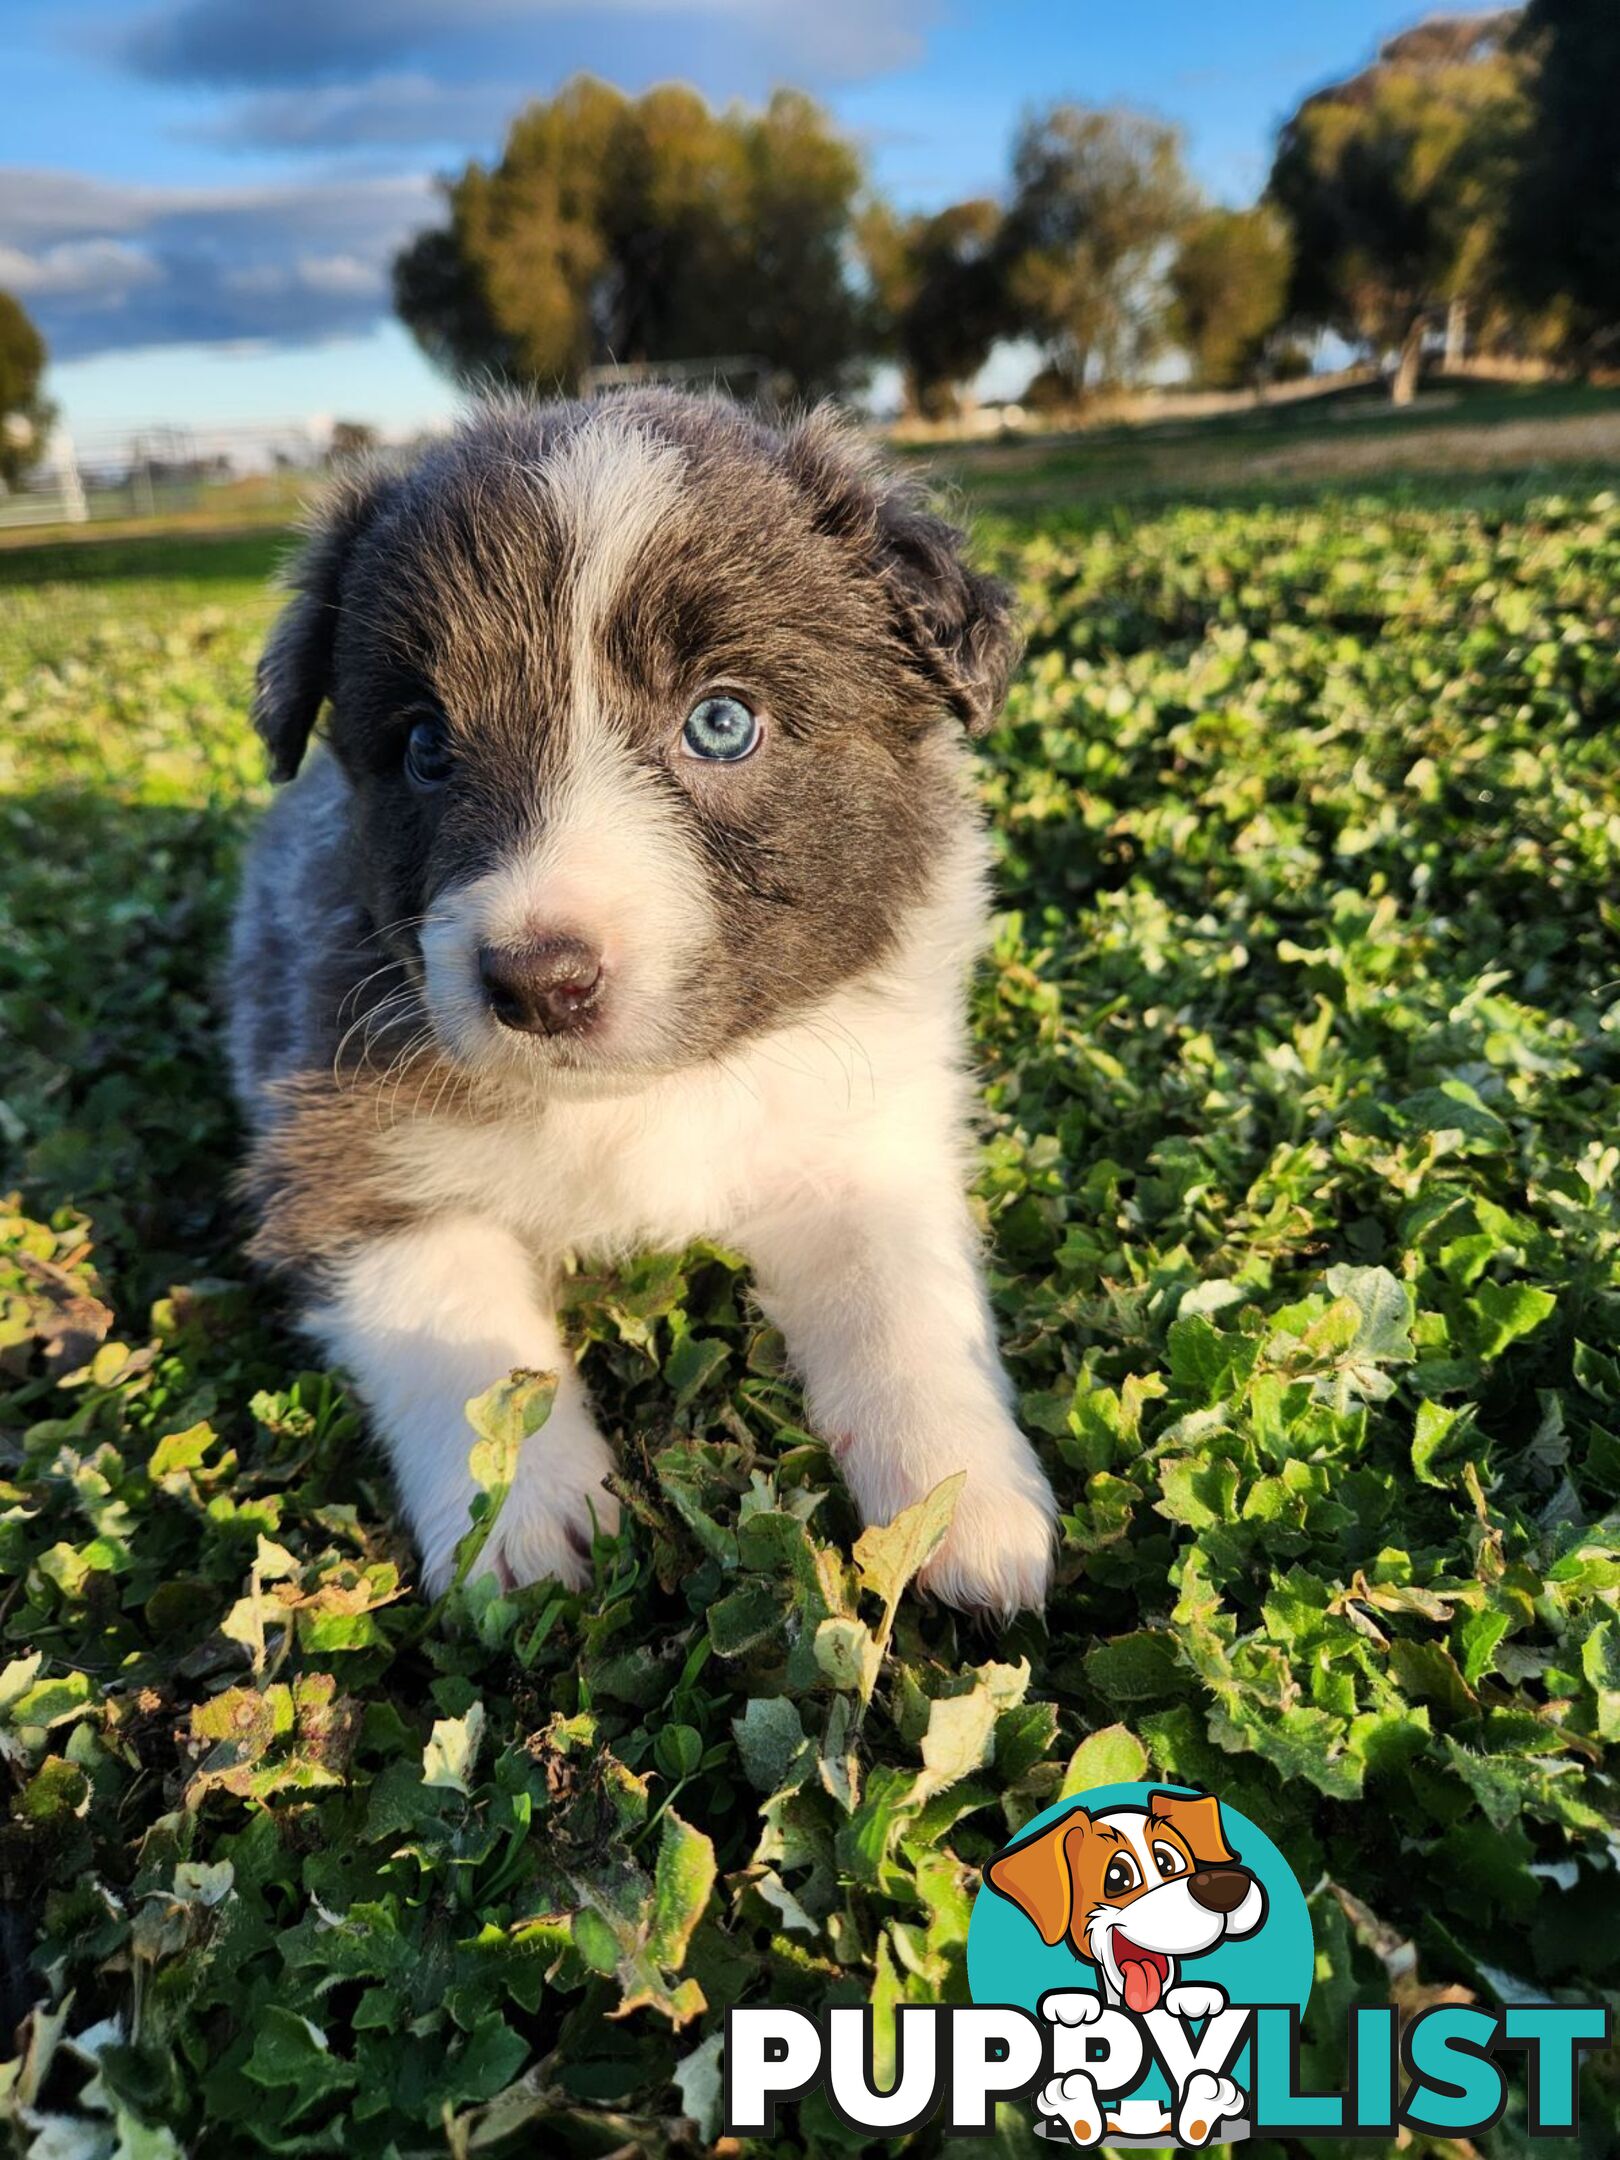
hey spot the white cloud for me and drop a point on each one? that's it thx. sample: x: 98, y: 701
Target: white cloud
x: 388, y: 111
x: 342, y: 276
x: 105, y: 268
x: 247, y: 44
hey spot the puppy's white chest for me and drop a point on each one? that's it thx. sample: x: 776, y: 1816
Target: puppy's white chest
x: 592, y: 1176
x: 697, y: 1154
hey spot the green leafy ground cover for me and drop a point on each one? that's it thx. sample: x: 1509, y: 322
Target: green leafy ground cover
x: 1301, y: 1045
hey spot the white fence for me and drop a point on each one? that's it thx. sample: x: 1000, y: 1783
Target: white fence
x: 162, y: 471
x: 61, y: 500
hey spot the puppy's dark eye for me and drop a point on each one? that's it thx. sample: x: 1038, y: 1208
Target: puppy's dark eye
x: 720, y: 728
x: 1169, y: 1860
x: 1121, y: 1876
x: 429, y: 757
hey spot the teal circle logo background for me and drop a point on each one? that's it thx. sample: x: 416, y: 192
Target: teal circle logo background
x: 1009, y: 1963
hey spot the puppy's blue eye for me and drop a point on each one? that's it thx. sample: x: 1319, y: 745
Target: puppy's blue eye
x: 720, y: 728
x: 429, y: 757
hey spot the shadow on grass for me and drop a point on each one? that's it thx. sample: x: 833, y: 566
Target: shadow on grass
x: 183, y: 557
x: 116, y: 1093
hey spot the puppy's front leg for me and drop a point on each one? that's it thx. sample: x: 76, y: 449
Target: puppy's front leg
x: 879, y: 1294
x: 426, y: 1319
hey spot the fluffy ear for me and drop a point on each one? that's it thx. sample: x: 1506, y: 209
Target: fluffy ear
x: 295, y: 668
x: 1037, y: 1877
x: 959, y: 621
x: 956, y: 622
x: 1198, y: 1820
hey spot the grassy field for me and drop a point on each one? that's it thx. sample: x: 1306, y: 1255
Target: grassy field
x: 1301, y: 1056
x: 1565, y: 432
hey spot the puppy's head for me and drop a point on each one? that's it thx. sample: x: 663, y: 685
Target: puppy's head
x: 649, y: 713
x: 1134, y: 1889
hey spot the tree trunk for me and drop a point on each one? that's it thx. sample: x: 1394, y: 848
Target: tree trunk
x: 1409, y: 372
x: 1456, y: 335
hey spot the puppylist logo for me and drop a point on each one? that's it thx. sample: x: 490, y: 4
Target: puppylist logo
x: 1144, y: 1926
x: 1139, y: 1959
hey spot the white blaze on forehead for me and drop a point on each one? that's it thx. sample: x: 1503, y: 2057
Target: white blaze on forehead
x: 611, y: 485
x: 1133, y: 1830
x: 609, y: 863
x: 608, y: 859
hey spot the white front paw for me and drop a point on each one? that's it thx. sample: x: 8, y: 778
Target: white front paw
x: 559, y: 1501
x: 1193, y: 2001
x: 1073, y: 2100
x: 1206, y: 2103
x: 1071, y: 2006
x: 557, y: 1505
x: 997, y: 1555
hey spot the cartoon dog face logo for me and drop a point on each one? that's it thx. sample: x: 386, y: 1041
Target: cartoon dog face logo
x: 1136, y: 1890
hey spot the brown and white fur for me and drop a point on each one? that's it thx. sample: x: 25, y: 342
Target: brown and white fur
x: 1134, y: 1891
x: 764, y: 1042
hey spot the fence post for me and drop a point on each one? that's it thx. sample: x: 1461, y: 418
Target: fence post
x: 74, y: 507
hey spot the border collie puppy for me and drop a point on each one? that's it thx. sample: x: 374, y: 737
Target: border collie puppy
x: 629, y: 899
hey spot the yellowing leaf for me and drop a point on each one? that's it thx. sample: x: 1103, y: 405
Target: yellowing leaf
x: 503, y: 1417
x: 451, y: 1754
x: 849, y: 1654
x: 889, y: 1554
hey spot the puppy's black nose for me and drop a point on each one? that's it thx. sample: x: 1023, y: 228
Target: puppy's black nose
x: 550, y: 988
x: 1220, y: 1889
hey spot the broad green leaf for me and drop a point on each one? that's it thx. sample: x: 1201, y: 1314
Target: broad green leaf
x: 692, y: 1364
x: 17, y: 1677
x: 682, y: 1882
x: 1600, y: 1662
x: 1502, y: 1312
x: 180, y: 1452
x: 770, y: 1739
x: 678, y: 1751
x: 1440, y: 1433
x: 291, y: 2049
x: 595, y: 1941
x: 1383, y: 1305
x: 1136, y: 1668
x: 1113, y: 1756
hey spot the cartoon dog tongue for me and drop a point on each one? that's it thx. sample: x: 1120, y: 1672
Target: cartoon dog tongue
x: 1141, y: 1974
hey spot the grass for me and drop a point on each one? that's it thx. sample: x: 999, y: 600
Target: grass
x: 1301, y: 1056
x: 250, y: 503
x: 1569, y: 431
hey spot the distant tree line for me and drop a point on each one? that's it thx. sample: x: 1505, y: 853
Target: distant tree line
x: 25, y: 416
x: 1465, y: 184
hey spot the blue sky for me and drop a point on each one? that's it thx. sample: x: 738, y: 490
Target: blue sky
x: 199, y: 198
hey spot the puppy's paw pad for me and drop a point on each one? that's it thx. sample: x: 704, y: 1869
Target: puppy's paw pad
x: 997, y: 1554
x: 1206, y: 2102
x: 1073, y: 2100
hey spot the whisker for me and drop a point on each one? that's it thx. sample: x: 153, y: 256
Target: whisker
x: 370, y: 1019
